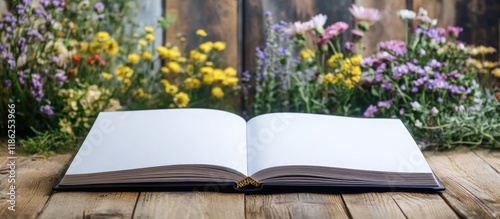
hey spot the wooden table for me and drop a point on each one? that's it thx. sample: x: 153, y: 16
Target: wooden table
x: 472, y: 179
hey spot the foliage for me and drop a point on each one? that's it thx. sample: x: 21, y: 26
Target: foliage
x: 48, y: 142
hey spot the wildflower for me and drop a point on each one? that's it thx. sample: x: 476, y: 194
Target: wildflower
x: 219, y: 75
x: 143, y: 43
x: 111, y: 47
x: 192, y: 83
x: 171, y: 89
x: 149, y: 37
x: 83, y: 46
x: 297, y: 28
x: 174, y: 67
x: 164, y: 82
x: 370, y: 111
x: 206, y: 47
x: 395, y: 47
x: 102, y: 36
x: 329, y: 79
x: 164, y: 70
x: 148, y: 29
x: 206, y: 70
x: 496, y: 72
x: 349, y: 46
x: 123, y: 72
x: 208, y: 79
x: 146, y: 55
x: 162, y: 51
x: 332, y: 31
x: 230, y: 72
x: 434, y: 111
x: 47, y: 110
x: 217, y: 92
x: 181, y: 99
x: 173, y: 53
x: 306, y: 54
x: 317, y: 22
x: 209, y: 63
x: 201, y: 33
x: 454, y: 31
x: 385, y: 104
x: 219, y: 46
x: 99, y: 7
x: 133, y: 58
x: 182, y: 60
x: 139, y: 92
x: 334, y: 59
x: 418, y: 124
x: 356, y: 60
x: 415, y: 105
x: 201, y: 58
x: 407, y: 14
x: 364, y: 16
x: 230, y: 81
x: 357, y: 34
x: 106, y: 76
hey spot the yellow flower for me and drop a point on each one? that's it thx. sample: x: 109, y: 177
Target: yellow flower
x: 164, y: 82
x: 127, y: 82
x: 102, y: 36
x: 123, y: 72
x: 189, y: 69
x: 333, y: 60
x: 173, y: 53
x: 483, y: 50
x: 150, y: 37
x: 219, y: 75
x: 230, y: 72
x: 201, y: 58
x: 182, y: 60
x: 206, y: 70
x: 208, y: 79
x: 330, y: 79
x: 209, y: 63
x: 217, y: 92
x: 496, y: 72
x: 164, y: 70
x: 83, y: 46
x: 201, y: 33
x: 139, y: 92
x: 348, y: 83
x: 106, y: 76
x: 147, y: 55
x: 181, y: 99
x: 192, y: 83
x: 148, y: 29
x: 174, y: 67
x: 206, y: 47
x: 95, y: 47
x: 356, y: 71
x: 143, y: 43
x: 356, y: 60
x: 230, y: 81
x: 306, y: 54
x: 488, y: 64
x: 171, y: 89
x: 162, y: 51
x: 219, y: 46
x: 112, y: 47
x: 133, y: 58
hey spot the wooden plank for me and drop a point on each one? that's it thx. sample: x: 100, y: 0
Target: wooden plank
x: 286, y: 10
x: 218, y: 17
x: 299, y: 205
x: 90, y: 205
x: 471, y: 184
x: 490, y: 157
x: 190, y: 205
x: 418, y: 205
x: 390, y: 27
x: 372, y: 205
x: 35, y: 177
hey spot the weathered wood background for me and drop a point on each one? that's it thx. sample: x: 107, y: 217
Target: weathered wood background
x: 241, y: 22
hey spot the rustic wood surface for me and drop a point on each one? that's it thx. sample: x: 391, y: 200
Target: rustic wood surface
x: 471, y: 179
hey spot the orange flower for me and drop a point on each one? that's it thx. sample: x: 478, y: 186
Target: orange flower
x: 77, y: 58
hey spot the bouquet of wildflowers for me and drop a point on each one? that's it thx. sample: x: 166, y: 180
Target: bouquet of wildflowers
x: 305, y: 67
x: 429, y: 83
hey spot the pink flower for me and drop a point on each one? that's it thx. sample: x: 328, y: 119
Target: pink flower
x: 332, y: 31
x: 360, y: 13
x: 349, y: 46
x: 357, y: 33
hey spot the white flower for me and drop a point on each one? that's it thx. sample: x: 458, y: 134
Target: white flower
x: 418, y: 123
x: 415, y: 105
x: 407, y: 14
x: 298, y: 28
x: 318, y: 21
x: 422, y: 12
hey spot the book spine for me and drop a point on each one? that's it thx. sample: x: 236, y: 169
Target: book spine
x: 247, y: 181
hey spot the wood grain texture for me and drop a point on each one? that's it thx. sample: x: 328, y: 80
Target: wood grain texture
x: 190, y: 205
x: 372, y: 205
x: 490, y: 157
x: 90, y: 205
x: 471, y: 184
x: 286, y: 10
x: 299, y: 205
x: 219, y: 18
x: 421, y: 205
x: 35, y: 177
x: 390, y: 27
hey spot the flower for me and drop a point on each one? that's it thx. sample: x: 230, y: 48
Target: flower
x: 106, y: 76
x: 146, y: 55
x: 496, y: 72
x: 332, y: 31
x: 217, y: 92
x: 112, y: 47
x: 47, y: 109
x: 434, y: 111
x: 297, y: 28
x: 181, y: 99
x: 99, y: 7
x: 206, y: 47
x: 349, y: 46
x: 201, y: 33
x: 133, y: 58
x: 415, y: 105
x: 174, y: 67
x: 149, y: 37
x: 370, y: 111
x: 454, y: 31
x: 102, y: 36
x: 164, y: 70
x: 306, y: 54
x: 219, y: 46
x: 171, y: 89
x: 192, y: 83
x: 395, y: 47
x: 365, y: 16
x: 317, y: 22
x: 143, y: 43
x: 148, y: 29
x: 123, y: 71
x: 406, y: 14
x: 357, y: 33
x: 230, y: 72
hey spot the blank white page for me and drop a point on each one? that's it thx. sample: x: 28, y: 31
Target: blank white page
x: 282, y: 139
x: 149, y: 138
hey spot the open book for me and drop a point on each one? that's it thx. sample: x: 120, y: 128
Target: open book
x: 186, y: 149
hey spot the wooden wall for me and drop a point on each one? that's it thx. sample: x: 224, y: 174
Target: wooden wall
x: 240, y: 22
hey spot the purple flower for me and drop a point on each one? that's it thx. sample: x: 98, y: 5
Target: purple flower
x: 396, y: 47
x: 45, y: 3
x: 332, y: 31
x: 400, y: 71
x: 421, y: 52
x: 99, y: 7
x: 434, y: 111
x: 434, y: 64
x: 454, y: 31
x: 20, y: 77
x: 440, y: 100
x: 414, y: 89
x: 357, y: 34
x: 401, y: 111
x: 47, y: 109
x: 349, y: 46
x: 455, y: 74
x: 415, y: 105
x: 55, y: 59
x: 403, y: 87
x: 386, y: 85
x: 7, y: 83
x: 370, y: 111
x: 60, y: 77
x: 385, y: 104
x: 11, y: 61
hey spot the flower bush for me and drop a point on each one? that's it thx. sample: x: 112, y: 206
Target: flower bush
x: 430, y: 80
